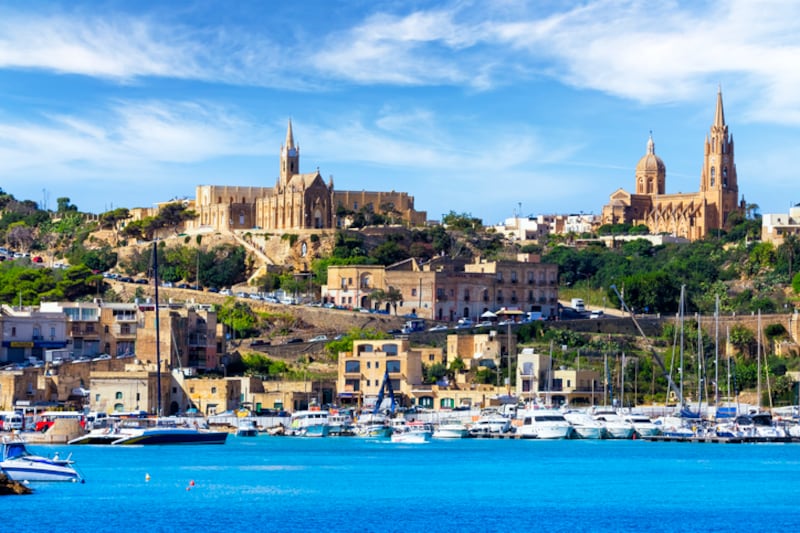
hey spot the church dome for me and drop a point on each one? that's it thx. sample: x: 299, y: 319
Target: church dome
x: 650, y: 162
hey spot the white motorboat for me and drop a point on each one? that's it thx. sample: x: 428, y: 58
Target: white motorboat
x: 583, y: 425
x: 642, y: 425
x: 490, y: 421
x: 451, y: 428
x: 412, y: 433
x: 247, y: 428
x: 19, y: 464
x: 543, y: 424
x: 615, y: 426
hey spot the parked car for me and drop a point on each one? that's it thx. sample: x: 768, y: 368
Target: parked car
x: 102, y: 357
x: 318, y: 338
x: 440, y: 327
x: 295, y: 340
x: 37, y: 259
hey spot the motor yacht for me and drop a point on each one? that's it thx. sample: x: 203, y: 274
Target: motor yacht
x: 543, y: 424
x: 451, y: 428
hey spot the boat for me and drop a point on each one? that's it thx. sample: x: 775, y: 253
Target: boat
x: 373, y: 425
x: 490, y: 422
x: 414, y: 432
x: 310, y: 423
x: 583, y: 425
x: 376, y: 423
x: 341, y: 423
x: 451, y: 428
x: 614, y: 425
x: 19, y: 464
x: 642, y: 425
x: 151, y: 430
x: 544, y: 424
x: 247, y: 428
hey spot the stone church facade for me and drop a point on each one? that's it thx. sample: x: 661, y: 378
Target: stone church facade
x: 689, y: 215
x: 297, y: 201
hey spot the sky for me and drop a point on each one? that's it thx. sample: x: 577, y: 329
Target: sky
x: 489, y: 108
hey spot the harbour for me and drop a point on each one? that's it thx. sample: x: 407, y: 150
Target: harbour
x: 304, y: 484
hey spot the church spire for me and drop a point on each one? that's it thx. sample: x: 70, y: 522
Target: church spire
x: 719, y: 116
x: 289, y: 136
x: 651, y: 146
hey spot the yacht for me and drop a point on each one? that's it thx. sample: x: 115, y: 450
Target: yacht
x: 19, y: 464
x: 583, y: 425
x: 544, y: 424
x: 615, y: 426
x: 490, y: 421
x: 145, y: 431
x: 642, y: 425
x: 451, y: 428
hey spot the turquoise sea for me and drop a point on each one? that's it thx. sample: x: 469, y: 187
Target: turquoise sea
x: 351, y: 484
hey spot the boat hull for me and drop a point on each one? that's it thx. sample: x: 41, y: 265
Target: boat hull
x: 21, y: 470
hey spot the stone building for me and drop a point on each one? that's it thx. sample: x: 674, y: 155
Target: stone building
x: 297, y: 201
x: 361, y: 372
x: 689, y: 215
x: 446, y: 290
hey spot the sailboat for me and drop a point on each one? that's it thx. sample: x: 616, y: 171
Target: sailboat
x: 152, y: 430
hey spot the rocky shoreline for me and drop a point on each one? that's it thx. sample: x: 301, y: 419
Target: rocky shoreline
x: 10, y: 488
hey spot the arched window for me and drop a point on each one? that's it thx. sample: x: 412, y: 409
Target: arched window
x: 118, y: 395
x: 713, y: 176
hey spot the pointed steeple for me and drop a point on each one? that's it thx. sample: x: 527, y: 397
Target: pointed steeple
x: 651, y: 146
x: 719, y: 116
x: 289, y: 136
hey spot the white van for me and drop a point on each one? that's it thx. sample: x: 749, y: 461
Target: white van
x: 10, y: 421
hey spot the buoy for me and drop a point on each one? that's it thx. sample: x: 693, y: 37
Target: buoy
x: 191, y: 483
x: 188, y: 488
x: 147, y: 477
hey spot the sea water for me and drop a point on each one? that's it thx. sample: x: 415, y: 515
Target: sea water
x: 353, y: 484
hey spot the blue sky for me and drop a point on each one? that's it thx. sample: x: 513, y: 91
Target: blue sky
x: 481, y: 107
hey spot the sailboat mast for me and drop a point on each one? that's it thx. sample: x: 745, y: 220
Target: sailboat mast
x: 158, y: 329
x: 716, y: 351
x: 758, y: 359
x: 681, y: 310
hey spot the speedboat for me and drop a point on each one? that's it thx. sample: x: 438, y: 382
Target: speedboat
x: 21, y: 465
x: 247, y: 428
x: 412, y: 433
x: 451, y: 428
x: 544, y: 424
x: 142, y: 431
x: 583, y: 425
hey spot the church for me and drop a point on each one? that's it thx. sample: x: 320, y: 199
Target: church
x: 689, y: 215
x: 298, y: 201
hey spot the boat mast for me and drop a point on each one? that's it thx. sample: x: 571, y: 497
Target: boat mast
x: 158, y: 329
x: 716, y: 351
x: 758, y: 360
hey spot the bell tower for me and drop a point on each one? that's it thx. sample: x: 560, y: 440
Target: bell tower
x: 718, y: 182
x: 290, y: 158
